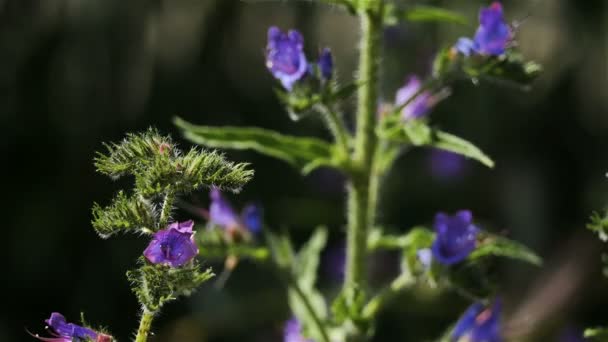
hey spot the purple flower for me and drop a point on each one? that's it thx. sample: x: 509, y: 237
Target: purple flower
x: 479, y: 324
x: 419, y: 106
x: 445, y: 164
x: 63, y: 331
x: 222, y: 214
x: 456, y: 237
x: 326, y: 64
x: 293, y: 332
x: 285, y: 56
x: 492, y: 35
x: 173, y: 246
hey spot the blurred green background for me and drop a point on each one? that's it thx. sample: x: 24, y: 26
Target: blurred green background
x: 74, y: 73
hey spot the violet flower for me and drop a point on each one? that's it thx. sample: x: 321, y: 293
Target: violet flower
x: 293, y: 332
x: 285, y: 57
x: 173, y: 246
x: 492, y: 35
x: 479, y: 324
x: 222, y: 214
x: 417, y: 107
x: 63, y: 331
x: 456, y: 237
x: 445, y: 164
x: 326, y: 64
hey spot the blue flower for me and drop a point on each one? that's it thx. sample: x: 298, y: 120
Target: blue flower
x: 492, y: 35
x: 326, y: 64
x: 285, y: 57
x: 222, y: 214
x: 63, y: 331
x: 456, y: 237
x: 479, y: 324
x: 293, y: 332
x: 173, y: 246
x: 417, y: 107
x: 445, y: 164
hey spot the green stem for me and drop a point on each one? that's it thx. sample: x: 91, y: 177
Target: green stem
x: 315, y: 317
x: 144, y: 326
x: 372, y: 308
x: 361, y: 214
x: 337, y: 127
x: 165, y: 212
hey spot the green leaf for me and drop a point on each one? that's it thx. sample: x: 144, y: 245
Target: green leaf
x: 125, y: 213
x: 308, y: 258
x: 394, y: 15
x: 511, y: 68
x: 601, y: 334
x: 494, y: 245
x: 302, y: 153
x: 417, y: 237
x: 281, y: 251
x: 599, y: 225
x: 418, y: 133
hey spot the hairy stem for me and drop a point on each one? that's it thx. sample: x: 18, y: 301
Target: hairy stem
x: 360, y: 215
x: 372, y: 308
x: 337, y: 127
x: 165, y: 212
x: 144, y: 326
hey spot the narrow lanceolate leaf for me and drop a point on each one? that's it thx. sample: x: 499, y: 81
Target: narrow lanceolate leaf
x: 597, y: 334
x: 302, y: 153
x: 125, y: 213
x: 423, y: 14
x: 308, y: 258
x: 418, y: 133
x: 493, y: 245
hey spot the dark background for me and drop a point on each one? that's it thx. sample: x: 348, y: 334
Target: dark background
x: 75, y: 73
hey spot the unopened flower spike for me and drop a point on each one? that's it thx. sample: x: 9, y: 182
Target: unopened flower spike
x: 479, y: 324
x: 417, y: 107
x: 222, y: 214
x: 326, y: 64
x: 173, y: 246
x: 293, y: 332
x: 62, y: 331
x: 285, y: 56
x: 492, y: 36
x: 456, y: 237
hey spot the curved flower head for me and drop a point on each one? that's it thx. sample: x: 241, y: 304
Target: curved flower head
x: 326, y: 64
x: 419, y: 106
x: 479, y: 324
x: 293, y: 332
x: 173, y: 246
x: 63, y: 331
x: 222, y: 214
x: 456, y: 237
x: 492, y: 35
x: 285, y: 56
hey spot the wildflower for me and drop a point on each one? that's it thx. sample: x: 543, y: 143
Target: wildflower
x: 456, y: 237
x: 285, y: 57
x: 445, y: 164
x: 172, y: 246
x: 492, y: 35
x: 326, y: 64
x: 222, y: 214
x: 293, y: 332
x: 63, y: 331
x: 479, y: 324
x: 417, y: 107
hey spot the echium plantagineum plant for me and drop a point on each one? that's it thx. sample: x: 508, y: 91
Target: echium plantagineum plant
x: 308, y: 84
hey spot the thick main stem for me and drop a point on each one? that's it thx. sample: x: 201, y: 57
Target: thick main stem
x: 360, y: 199
x: 144, y: 326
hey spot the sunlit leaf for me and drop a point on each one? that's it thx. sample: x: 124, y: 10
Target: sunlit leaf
x: 493, y: 245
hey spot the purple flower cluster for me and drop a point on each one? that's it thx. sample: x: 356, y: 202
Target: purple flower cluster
x: 479, y: 324
x: 456, y: 237
x: 286, y: 60
x: 222, y: 214
x: 492, y: 35
x: 63, y: 331
x: 173, y: 246
x: 418, y: 106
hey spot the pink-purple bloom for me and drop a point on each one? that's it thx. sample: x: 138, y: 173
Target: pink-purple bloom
x: 222, y: 214
x: 456, y: 237
x: 285, y: 56
x: 326, y: 64
x: 492, y: 36
x: 293, y: 332
x: 173, y: 246
x: 62, y: 331
x: 479, y: 324
x: 417, y: 107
